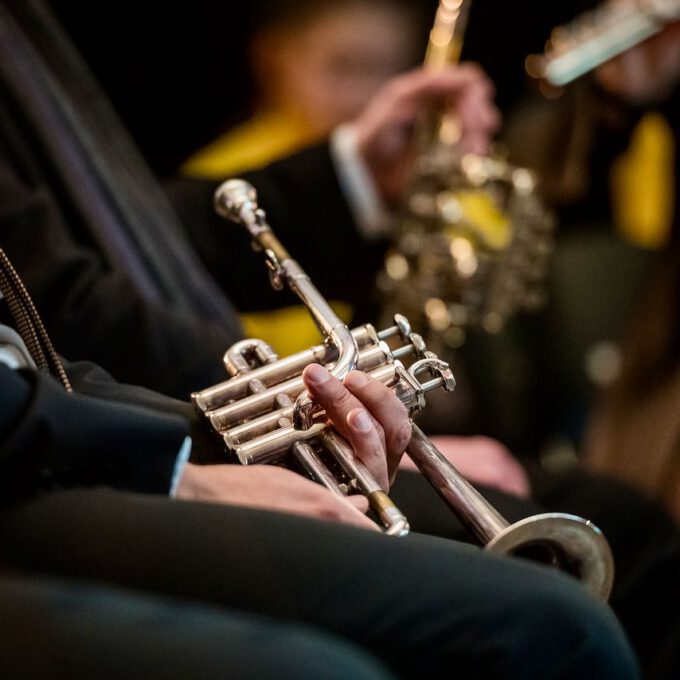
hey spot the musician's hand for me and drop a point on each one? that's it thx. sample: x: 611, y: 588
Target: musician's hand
x: 385, y: 128
x: 647, y: 73
x: 482, y: 461
x: 269, y: 487
x: 368, y: 414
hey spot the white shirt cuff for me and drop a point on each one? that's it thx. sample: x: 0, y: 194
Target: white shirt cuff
x: 180, y: 463
x: 357, y: 184
x: 13, y: 351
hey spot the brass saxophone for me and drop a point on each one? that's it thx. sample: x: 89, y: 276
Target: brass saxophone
x: 262, y: 414
x: 473, y: 242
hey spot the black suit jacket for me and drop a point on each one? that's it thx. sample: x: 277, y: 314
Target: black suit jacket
x: 103, y: 254
x: 104, y: 433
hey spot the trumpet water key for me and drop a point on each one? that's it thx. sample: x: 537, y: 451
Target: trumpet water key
x: 262, y: 414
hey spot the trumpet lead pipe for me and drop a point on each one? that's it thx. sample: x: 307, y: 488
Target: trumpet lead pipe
x: 391, y: 517
x: 313, y: 465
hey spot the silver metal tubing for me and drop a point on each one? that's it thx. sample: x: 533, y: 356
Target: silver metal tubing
x: 259, y: 403
x: 236, y: 361
x: 272, y: 445
x: 256, y: 450
x: 574, y: 544
x: 258, y: 425
x: 288, y: 367
x: 599, y: 35
x: 393, y: 520
x: 303, y: 452
x: 312, y: 464
x: 391, y: 517
x: 237, y: 200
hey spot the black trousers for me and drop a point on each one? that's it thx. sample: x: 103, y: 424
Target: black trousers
x: 70, y: 629
x: 420, y: 607
x: 644, y: 539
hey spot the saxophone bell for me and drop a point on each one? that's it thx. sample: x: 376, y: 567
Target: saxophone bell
x: 473, y: 242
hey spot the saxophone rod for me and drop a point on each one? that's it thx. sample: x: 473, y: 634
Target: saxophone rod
x: 445, y: 42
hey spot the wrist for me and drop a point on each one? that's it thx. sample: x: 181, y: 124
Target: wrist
x: 358, y: 182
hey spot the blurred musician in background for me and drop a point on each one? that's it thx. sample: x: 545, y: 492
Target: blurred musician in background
x: 607, y: 149
x: 636, y: 432
x: 314, y: 65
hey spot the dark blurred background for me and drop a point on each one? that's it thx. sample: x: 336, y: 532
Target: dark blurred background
x: 177, y: 73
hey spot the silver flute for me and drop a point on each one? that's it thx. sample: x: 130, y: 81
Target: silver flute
x: 262, y: 414
x: 601, y: 34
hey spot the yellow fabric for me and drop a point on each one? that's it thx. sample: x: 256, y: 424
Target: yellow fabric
x: 481, y: 212
x: 259, y: 141
x: 643, y: 184
x: 290, y: 329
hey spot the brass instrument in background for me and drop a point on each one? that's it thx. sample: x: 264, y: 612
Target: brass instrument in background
x: 599, y: 35
x: 263, y: 415
x: 474, y: 239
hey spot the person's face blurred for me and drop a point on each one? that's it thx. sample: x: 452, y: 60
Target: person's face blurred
x: 326, y: 71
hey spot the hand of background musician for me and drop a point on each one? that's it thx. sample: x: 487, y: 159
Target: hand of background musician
x: 385, y: 128
x: 646, y: 73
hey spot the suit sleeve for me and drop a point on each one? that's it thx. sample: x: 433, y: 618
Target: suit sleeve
x: 50, y: 439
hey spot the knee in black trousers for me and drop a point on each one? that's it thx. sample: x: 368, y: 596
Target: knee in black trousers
x: 420, y: 604
x: 64, y: 629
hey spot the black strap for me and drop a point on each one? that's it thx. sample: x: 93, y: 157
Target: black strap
x: 28, y: 322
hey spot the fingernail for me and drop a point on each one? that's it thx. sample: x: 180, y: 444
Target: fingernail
x: 317, y: 374
x: 360, y: 420
x: 356, y: 379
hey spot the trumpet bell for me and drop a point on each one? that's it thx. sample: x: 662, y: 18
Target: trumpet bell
x: 570, y: 543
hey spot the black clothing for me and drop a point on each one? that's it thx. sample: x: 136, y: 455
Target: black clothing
x: 74, y: 630
x: 306, y: 208
x: 48, y: 436
x: 127, y: 437
x: 435, y: 605
x: 414, y: 614
x: 89, y: 227
x: 425, y: 607
x: 67, y: 135
x: 108, y: 253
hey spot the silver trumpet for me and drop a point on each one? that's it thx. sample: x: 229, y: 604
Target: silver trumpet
x: 262, y: 414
